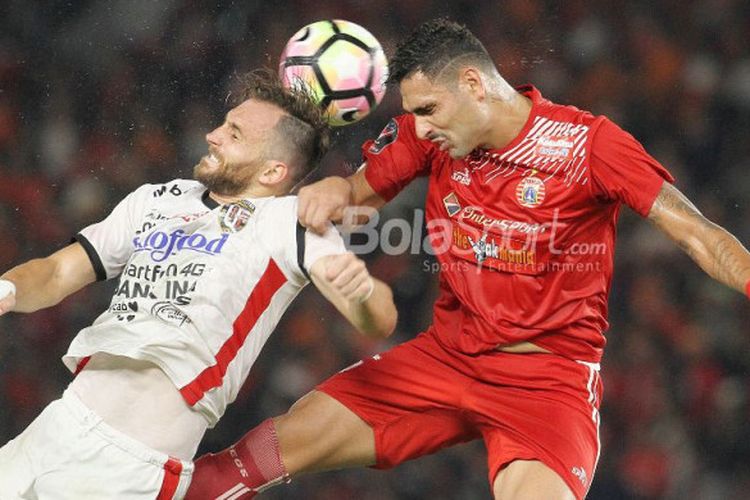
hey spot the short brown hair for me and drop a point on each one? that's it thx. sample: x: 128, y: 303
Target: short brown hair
x: 304, y: 130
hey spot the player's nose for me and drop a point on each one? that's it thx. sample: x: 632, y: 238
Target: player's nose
x: 213, y: 137
x: 423, y: 129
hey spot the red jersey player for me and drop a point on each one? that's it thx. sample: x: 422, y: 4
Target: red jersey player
x: 522, y: 204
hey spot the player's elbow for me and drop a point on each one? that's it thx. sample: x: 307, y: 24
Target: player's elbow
x: 382, y: 327
x: 383, y: 317
x: 389, y: 325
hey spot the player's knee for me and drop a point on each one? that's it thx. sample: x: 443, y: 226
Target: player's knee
x: 303, y: 423
x: 319, y: 433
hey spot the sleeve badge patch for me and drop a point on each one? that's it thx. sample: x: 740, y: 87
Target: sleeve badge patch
x: 386, y: 137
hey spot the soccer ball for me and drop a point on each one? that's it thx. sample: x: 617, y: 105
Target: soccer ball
x: 341, y: 63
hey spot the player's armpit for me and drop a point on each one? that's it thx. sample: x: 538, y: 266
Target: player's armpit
x: 44, y: 282
x: 712, y: 247
x: 366, y: 302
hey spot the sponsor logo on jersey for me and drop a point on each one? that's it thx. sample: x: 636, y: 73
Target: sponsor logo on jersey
x: 452, y: 206
x: 124, y: 311
x: 162, y: 245
x: 234, y: 216
x: 190, y: 217
x: 500, y: 253
x: 475, y: 215
x: 530, y: 192
x: 386, y: 137
x: 580, y: 473
x: 462, y: 176
x: 168, y: 312
x: 556, y: 146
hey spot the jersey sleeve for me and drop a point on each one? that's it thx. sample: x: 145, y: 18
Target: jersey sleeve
x: 108, y: 243
x: 292, y: 246
x: 623, y: 171
x: 317, y: 246
x: 396, y: 157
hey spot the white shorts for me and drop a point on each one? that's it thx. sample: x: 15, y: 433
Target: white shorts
x: 68, y: 452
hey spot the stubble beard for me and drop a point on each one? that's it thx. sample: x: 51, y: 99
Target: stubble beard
x: 220, y: 181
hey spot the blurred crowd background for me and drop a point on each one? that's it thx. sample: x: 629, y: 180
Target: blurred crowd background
x: 98, y: 97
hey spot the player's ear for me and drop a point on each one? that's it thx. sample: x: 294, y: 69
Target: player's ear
x: 470, y: 79
x: 274, y: 172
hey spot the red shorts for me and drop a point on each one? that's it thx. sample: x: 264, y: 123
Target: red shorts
x: 420, y: 397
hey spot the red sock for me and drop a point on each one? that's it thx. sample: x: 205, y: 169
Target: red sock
x: 247, y: 467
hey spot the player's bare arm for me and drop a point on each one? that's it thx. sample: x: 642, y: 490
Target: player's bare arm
x: 712, y: 247
x: 366, y: 302
x: 326, y: 199
x: 45, y: 282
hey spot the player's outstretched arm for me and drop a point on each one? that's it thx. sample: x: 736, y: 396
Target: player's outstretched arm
x: 712, y: 247
x: 366, y: 302
x: 326, y: 199
x: 41, y: 283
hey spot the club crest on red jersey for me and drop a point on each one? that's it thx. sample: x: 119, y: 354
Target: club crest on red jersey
x: 386, y: 137
x: 452, y: 206
x: 530, y: 192
x: 234, y: 216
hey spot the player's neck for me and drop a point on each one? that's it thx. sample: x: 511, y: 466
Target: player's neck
x: 252, y: 192
x: 508, y: 120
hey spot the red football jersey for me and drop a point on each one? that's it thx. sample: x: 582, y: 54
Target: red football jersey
x: 525, y: 234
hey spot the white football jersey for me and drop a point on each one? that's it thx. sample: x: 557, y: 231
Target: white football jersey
x: 202, y: 285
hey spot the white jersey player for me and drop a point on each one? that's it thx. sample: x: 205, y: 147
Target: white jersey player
x: 206, y: 269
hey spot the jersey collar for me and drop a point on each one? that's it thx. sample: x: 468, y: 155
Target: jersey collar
x: 208, y: 201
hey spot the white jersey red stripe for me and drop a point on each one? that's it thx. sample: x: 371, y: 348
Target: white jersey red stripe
x: 172, y: 471
x: 202, y: 285
x: 257, y: 303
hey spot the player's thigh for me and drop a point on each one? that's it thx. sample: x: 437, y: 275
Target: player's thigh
x: 110, y: 473
x: 77, y: 455
x: 30, y: 454
x: 530, y: 480
x: 320, y: 433
x: 16, y: 471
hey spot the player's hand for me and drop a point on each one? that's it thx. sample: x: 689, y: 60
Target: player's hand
x: 215, y: 476
x: 323, y: 201
x: 7, y: 296
x: 349, y: 276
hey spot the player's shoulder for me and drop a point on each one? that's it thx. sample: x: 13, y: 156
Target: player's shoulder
x: 570, y: 114
x: 275, y: 221
x: 560, y: 112
x: 277, y: 206
x: 175, y: 188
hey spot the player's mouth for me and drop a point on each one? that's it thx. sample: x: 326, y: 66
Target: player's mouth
x: 211, y: 160
x: 442, y: 143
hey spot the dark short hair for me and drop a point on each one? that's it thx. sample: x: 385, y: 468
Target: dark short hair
x: 434, y: 45
x: 304, y: 130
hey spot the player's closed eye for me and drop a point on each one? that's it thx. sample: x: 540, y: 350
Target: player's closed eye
x: 425, y: 110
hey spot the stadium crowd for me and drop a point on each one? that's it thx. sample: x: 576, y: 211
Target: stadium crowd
x: 97, y: 98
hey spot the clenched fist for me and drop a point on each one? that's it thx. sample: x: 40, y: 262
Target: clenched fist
x: 323, y: 201
x: 348, y: 274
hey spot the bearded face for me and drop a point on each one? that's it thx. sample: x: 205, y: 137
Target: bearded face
x: 223, y: 177
x: 237, y: 149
